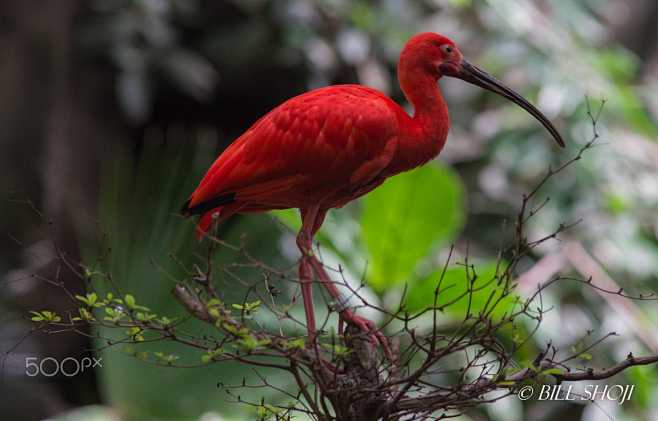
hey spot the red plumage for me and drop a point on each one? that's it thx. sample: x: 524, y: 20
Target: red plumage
x: 324, y: 148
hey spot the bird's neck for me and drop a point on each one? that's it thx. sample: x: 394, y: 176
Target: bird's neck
x: 425, y: 133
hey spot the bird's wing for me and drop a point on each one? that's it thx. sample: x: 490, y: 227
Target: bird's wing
x: 332, y: 137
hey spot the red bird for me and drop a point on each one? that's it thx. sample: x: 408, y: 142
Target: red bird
x: 325, y: 148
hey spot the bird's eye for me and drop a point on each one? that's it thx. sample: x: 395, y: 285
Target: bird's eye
x: 446, y: 48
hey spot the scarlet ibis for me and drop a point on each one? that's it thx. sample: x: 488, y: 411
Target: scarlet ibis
x: 327, y: 147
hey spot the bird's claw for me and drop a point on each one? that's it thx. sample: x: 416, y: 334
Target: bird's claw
x: 370, y: 329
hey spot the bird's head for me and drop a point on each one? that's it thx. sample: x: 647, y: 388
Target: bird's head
x: 433, y: 55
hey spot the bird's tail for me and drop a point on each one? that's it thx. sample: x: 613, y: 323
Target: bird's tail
x: 206, y: 222
x: 211, y: 212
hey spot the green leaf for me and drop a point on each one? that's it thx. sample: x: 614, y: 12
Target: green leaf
x: 646, y: 384
x: 248, y: 307
x: 618, y: 64
x: 37, y: 317
x: 298, y: 343
x: 145, y: 317
x: 505, y: 383
x: 214, y: 312
x: 86, y: 315
x: 552, y: 371
x: 214, y: 302
x: 406, y: 218
x: 211, y: 355
x: 251, y: 343
x: 461, y: 4
x: 91, y: 300
x: 51, y: 316
x: 133, y: 331
x: 339, y: 351
x: 266, y: 411
x: 454, y: 291
x: 289, y: 217
x: 142, y: 355
x: 166, y: 358
x: 129, y: 300
x: 45, y: 316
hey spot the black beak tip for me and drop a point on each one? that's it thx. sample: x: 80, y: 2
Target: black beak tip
x: 560, y: 142
x: 558, y: 138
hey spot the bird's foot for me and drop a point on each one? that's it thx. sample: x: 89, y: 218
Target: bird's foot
x: 369, y: 328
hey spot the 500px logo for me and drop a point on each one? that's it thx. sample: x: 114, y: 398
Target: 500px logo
x: 68, y: 367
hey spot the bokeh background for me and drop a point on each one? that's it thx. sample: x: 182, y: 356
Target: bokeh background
x: 110, y: 111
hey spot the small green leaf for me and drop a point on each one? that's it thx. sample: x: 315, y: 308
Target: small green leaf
x: 506, y: 383
x: 214, y: 302
x: 113, y: 314
x: 211, y: 355
x: 144, y: 317
x: 136, y: 333
x: 339, y: 351
x: 85, y: 314
x: 133, y: 330
x: 45, y: 316
x: 166, y: 358
x: 298, y: 343
x: 37, y: 317
x: 90, y: 300
x: 252, y: 306
x: 266, y: 411
x: 130, y: 301
x: 552, y: 371
x: 142, y: 355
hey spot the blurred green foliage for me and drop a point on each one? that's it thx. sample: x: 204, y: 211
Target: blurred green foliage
x: 553, y: 54
x: 461, y: 290
x: 146, y: 246
x: 407, y: 218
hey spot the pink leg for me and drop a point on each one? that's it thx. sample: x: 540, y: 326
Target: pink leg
x: 305, y: 280
x: 312, y: 219
x: 305, y: 244
x: 365, y: 325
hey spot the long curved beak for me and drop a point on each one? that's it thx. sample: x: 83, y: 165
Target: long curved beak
x: 472, y: 74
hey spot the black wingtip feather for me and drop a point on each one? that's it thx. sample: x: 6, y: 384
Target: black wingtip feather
x: 185, y: 209
x: 208, y: 205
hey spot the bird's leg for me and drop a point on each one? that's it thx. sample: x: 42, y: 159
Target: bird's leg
x: 312, y: 219
x: 349, y: 316
x: 305, y: 245
x: 305, y: 279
